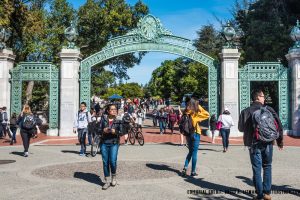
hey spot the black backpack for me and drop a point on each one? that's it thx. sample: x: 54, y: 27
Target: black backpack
x: 29, y: 122
x: 266, y: 127
x: 186, y: 125
x: 126, y: 118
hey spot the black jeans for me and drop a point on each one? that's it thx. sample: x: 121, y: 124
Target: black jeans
x: 26, y: 135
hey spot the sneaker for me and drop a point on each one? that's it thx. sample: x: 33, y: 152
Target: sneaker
x: 26, y: 154
x: 106, y: 184
x: 194, y: 174
x: 113, y: 181
x: 11, y: 142
x: 183, y: 172
x: 267, y: 197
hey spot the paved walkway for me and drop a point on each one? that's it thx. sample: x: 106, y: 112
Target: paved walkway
x: 147, y: 172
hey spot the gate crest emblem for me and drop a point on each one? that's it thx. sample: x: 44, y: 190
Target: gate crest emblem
x: 150, y: 28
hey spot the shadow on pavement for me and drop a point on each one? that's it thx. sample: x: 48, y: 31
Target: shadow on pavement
x: 162, y: 167
x: 205, y: 185
x: 91, y: 178
x: 201, y: 149
x: 280, y: 188
x: 70, y: 151
x: 17, y: 153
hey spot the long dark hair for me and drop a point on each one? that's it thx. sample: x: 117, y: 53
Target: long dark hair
x: 108, y: 108
x: 193, y: 105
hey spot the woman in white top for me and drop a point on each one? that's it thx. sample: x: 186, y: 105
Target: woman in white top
x: 227, y: 123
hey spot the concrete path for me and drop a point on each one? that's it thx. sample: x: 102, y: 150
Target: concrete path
x: 147, y: 172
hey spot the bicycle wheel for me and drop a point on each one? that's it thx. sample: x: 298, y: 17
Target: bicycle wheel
x: 95, y: 146
x: 131, y: 137
x: 140, y: 138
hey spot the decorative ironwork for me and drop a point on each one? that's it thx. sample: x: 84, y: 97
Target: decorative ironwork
x: 4, y: 36
x: 266, y: 71
x: 149, y: 36
x: 295, y: 35
x: 71, y: 34
x: 28, y: 71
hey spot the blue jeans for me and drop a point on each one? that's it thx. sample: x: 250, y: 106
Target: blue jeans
x: 225, y: 137
x: 261, y: 158
x: 81, y: 138
x: 14, y: 131
x: 193, y: 144
x: 90, y: 138
x: 109, y: 157
x: 162, y: 126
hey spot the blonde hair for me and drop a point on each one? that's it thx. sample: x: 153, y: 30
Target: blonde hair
x: 26, y: 109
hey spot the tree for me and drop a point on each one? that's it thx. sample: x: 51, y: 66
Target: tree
x: 130, y: 90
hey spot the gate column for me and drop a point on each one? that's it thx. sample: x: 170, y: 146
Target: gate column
x: 69, y: 89
x: 293, y: 58
x: 7, y: 59
x: 230, y: 86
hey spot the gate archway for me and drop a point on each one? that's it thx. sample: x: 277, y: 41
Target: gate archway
x: 29, y: 71
x: 150, y: 35
x: 266, y: 71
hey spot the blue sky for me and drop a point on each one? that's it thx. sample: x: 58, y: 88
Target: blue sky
x: 182, y: 18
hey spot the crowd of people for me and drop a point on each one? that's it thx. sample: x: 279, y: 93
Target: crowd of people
x: 259, y: 123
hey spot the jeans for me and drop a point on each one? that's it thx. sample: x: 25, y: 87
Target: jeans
x: 81, y: 138
x: 109, y: 157
x: 14, y: 131
x: 193, y: 144
x: 90, y: 138
x: 261, y: 158
x: 225, y: 137
x: 162, y: 126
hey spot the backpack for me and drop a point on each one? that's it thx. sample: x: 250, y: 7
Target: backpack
x: 186, y: 126
x: 126, y: 118
x: 266, y: 127
x: 29, y: 122
x: 173, y: 117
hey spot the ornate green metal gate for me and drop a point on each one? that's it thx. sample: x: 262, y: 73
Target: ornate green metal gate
x: 29, y: 71
x: 149, y: 35
x: 266, y: 71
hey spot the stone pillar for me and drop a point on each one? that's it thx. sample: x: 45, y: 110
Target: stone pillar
x: 230, y: 86
x: 293, y: 58
x: 69, y: 90
x: 7, y: 59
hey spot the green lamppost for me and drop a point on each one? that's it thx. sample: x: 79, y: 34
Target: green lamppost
x: 4, y: 36
x: 71, y: 34
x: 295, y: 35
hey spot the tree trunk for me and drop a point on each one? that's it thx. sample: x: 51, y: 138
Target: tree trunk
x: 29, y: 91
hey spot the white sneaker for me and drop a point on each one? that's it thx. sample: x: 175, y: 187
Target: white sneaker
x: 26, y: 154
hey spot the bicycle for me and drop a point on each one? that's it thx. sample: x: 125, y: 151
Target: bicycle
x: 95, y: 147
x: 134, y: 134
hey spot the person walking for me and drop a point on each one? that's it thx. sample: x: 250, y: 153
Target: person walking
x: 260, y: 140
x: 81, y: 121
x: 162, y: 120
x: 172, y: 118
x: 197, y: 114
x: 227, y: 122
x: 212, y: 125
x: 13, y: 128
x: 111, y: 132
x: 28, y: 124
x: 4, y: 122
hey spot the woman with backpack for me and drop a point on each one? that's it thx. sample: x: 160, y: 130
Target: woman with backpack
x: 172, y: 118
x: 196, y: 114
x: 27, y: 123
x: 13, y: 128
x: 212, y: 125
x: 227, y: 122
x: 110, y: 128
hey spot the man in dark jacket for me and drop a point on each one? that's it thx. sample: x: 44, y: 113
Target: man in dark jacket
x: 261, y: 153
